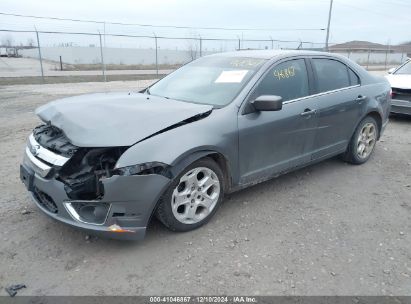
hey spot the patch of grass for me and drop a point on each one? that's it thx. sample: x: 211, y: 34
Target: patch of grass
x: 72, y: 79
x: 114, y: 67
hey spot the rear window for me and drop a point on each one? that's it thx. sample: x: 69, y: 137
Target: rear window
x: 331, y: 75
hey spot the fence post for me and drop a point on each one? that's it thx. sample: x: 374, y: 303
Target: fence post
x: 103, y: 66
x: 368, y: 58
x: 155, y: 41
x: 41, y: 59
x: 61, y: 64
x: 272, y: 42
x: 386, y: 55
x: 201, y: 46
x: 385, y: 63
x: 104, y: 29
x: 239, y: 44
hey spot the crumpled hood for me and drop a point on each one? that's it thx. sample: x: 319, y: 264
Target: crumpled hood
x: 115, y: 119
x: 399, y: 81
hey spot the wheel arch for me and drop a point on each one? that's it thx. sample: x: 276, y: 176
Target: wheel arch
x: 185, y: 160
x: 222, y: 161
x: 377, y: 116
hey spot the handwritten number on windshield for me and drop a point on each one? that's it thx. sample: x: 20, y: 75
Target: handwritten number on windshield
x: 284, y: 73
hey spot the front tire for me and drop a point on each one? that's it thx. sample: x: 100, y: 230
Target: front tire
x: 363, y: 142
x: 193, y: 197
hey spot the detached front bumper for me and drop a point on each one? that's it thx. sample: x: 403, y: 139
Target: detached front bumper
x: 129, y: 201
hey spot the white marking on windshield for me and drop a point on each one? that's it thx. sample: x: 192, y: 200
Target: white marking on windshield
x: 235, y: 76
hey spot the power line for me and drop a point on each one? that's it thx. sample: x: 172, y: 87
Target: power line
x: 159, y: 37
x: 163, y: 26
x: 368, y: 10
x: 396, y: 2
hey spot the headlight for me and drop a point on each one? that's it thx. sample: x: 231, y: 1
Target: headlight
x: 143, y: 169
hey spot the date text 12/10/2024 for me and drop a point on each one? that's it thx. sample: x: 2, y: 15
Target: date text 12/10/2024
x: 203, y: 299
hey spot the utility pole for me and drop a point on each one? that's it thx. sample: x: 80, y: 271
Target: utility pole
x: 41, y: 59
x: 156, y: 45
x: 103, y: 65
x: 328, y: 26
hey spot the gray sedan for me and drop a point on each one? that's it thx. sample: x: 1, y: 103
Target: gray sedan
x: 108, y: 162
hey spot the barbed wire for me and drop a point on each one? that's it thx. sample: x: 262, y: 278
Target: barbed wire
x: 161, y: 37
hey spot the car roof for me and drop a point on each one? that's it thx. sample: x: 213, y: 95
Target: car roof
x: 268, y: 54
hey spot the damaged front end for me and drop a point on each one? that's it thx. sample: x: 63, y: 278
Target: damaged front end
x: 81, y: 186
x: 82, y: 175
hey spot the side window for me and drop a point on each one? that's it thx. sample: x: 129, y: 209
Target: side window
x: 331, y: 74
x: 354, y: 79
x: 288, y: 79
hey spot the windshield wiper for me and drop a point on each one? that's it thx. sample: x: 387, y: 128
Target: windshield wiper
x: 147, y: 91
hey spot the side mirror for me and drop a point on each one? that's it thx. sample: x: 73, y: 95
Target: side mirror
x: 390, y: 71
x: 268, y: 103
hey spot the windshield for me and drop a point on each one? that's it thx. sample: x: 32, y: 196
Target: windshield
x: 405, y: 69
x: 210, y: 80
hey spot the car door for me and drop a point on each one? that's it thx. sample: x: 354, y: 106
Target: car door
x: 271, y: 142
x: 339, y: 105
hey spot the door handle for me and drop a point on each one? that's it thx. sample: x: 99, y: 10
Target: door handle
x: 308, y: 112
x: 361, y: 98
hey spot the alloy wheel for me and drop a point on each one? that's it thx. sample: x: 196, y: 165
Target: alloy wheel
x: 366, y: 140
x: 196, y: 195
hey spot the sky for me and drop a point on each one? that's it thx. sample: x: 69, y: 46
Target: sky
x: 381, y: 21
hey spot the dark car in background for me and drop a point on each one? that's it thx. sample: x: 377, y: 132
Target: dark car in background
x: 108, y: 162
x: 400, y: 80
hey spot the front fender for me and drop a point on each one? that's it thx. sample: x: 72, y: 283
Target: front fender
x: 183, y: 145
x: 185, y: 160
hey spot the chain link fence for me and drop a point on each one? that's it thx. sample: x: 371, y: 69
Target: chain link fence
x: 50, y: 56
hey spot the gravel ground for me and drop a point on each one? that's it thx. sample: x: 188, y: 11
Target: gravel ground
x: 329, y: 229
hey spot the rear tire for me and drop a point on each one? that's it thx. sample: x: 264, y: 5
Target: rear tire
x: 363, y: 142
x: 193, y: 197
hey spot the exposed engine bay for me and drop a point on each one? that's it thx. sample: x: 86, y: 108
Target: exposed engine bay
x: 83, y: 173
